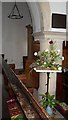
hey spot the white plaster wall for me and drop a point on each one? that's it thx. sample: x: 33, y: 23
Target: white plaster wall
x: 57, y: 7
x: 14, y: 34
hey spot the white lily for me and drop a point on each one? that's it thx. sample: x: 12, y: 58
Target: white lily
x: 44, y: 63
x: 58, y: 51
x: 46, y: 50
x: 59, y: 68
x: 35, y: 54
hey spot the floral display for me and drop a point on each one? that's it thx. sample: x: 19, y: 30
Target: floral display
x: 48, y: 99
x: 48, y: 59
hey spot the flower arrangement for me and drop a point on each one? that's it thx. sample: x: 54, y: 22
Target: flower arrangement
x: 48, y: 59
x: 48, y: 99
x: 48, y: 102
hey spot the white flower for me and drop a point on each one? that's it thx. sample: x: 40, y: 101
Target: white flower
x: 62, y: 58
x: 59, y: 68
x: 35, y: 54
x: 44, y: 63
x: 46, y: 50
x: 58, y: 51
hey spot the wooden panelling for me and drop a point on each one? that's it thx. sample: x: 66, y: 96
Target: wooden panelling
x: 31, y: 76
x: 59, y: 88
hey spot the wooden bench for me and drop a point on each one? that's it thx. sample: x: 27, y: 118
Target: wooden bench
x: 29, y: 78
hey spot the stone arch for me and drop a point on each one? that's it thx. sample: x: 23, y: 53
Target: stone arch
x: 40, y: 14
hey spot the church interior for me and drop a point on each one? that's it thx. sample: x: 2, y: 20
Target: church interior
x: 26, y: 29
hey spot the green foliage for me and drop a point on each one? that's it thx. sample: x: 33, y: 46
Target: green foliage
x: 18, y: 117
x: 47, y: 59
x: 48, y: 99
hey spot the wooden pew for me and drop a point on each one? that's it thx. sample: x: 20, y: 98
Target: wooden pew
x: 30, y: 78
x: 31, y: 75
x: 12, y: 66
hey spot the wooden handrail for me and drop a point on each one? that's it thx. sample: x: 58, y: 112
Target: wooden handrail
x: 13, y: 79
